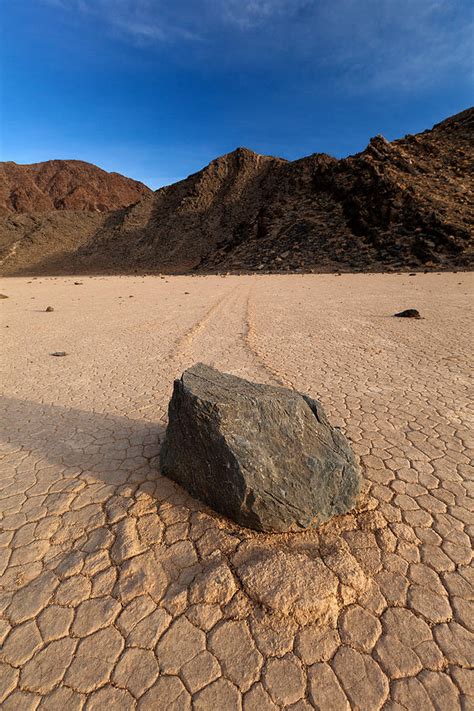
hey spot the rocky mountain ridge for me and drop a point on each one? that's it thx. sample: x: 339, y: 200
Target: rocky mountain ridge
x: 406, y: 204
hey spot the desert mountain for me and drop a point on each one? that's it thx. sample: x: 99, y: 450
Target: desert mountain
x: 64, y: 185
x: 401, y: 204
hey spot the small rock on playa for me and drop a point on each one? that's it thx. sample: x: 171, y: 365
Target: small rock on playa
x: 408, y: 313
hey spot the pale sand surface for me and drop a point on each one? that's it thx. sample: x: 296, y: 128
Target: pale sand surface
x: 119, y: 590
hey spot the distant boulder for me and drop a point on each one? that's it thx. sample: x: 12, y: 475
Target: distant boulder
x: 264, y: 456
x: 408, y: 313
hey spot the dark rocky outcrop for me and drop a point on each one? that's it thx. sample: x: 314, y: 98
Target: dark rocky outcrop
x: 264, y: 456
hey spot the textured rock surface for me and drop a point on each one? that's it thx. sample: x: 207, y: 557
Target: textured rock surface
x: 264, y: 456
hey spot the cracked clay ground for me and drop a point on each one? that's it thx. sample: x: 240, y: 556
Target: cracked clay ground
x: 119, y: 591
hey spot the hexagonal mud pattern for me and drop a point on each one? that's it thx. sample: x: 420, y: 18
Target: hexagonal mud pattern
x: 119, y: 591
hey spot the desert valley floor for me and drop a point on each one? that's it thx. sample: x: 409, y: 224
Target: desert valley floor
x: 119, y: 591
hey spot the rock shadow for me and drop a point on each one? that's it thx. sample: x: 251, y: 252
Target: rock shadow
x: 107, y: 446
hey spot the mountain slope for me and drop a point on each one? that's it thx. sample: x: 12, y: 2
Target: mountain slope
x: 404, y: 204
x: 64, y: 185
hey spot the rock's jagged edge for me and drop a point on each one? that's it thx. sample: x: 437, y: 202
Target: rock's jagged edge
x: 264, y: 456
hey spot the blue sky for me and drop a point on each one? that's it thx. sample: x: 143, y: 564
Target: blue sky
x: 155, y: 89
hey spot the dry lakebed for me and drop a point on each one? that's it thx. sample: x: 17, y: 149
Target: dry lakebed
x: 118, y: 590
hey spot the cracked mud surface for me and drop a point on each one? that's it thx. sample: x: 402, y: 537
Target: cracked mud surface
x: 120, y: 591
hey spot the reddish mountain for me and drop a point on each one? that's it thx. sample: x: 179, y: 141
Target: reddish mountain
x: 65, y: 185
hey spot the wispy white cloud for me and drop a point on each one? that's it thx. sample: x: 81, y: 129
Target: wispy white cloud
x: 404, y: 44
x: 153, y: 21
x: 248, y: 14
x: 407, y: 44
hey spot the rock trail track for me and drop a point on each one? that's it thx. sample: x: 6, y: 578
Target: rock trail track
x: 120, y: 591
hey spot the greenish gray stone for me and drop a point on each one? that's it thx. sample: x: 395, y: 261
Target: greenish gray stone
x: 264, y: 456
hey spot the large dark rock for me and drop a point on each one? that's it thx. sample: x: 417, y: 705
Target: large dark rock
x: 264, y: 456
